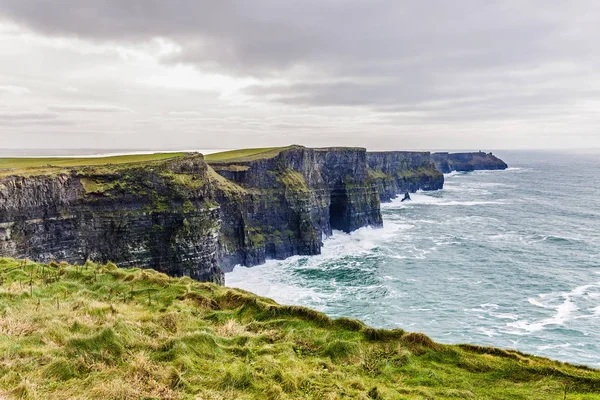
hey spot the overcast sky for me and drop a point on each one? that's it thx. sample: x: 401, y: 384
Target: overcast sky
x: 383, y: 74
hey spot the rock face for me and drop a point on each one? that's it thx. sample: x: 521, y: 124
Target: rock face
x: 181, y: 217
x: 185, y: 217
x: 286, y: 204
x: 399, y: 172
x: 159, y: 215
x: 448, y: 162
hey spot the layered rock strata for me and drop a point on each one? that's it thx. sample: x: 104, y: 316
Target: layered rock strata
x: 158, y: 215
x: 286, y: 203
x: 399, y: 172
x: 185, y: 217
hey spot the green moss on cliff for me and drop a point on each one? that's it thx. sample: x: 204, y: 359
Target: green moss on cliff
x: 100, y: 332
x: 97, y: 186
x: 189, y: 180
x: 224, y: 184
x: 293, y: 180
x: 419, y: 173
x: 378, y: 174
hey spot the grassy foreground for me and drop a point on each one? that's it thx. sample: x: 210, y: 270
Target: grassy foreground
x: 97, y: 331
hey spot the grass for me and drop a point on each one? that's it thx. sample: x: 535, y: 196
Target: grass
x: 224, y: 184
x: 243, y: 155
x: 36, y: 166
x: 101, y: 332
x: 293, y: 180
x: 378, y: 174
x: 419, y: 173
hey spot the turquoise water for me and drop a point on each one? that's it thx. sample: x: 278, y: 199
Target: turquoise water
x: 504, y: 258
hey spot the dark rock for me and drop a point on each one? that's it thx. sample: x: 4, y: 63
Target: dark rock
x: 156, y: 215
x: 184, y: 217
x: 448, y: 162
x: 397, y: 172
x: 286, y: 204
x: 406, y: 197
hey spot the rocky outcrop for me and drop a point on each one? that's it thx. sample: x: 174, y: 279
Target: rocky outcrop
x: 285, y: 203
x: 448, y: 162
x: 159, y: 215
x: 399, y: 172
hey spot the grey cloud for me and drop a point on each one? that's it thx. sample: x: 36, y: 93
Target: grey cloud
x: 356, y: 52
x: 426, y: 63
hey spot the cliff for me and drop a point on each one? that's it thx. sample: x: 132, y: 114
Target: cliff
x: 289, y: 199
x: 158, y: 215
x: 100, y: 332
x: 176, y: 214
x: 182, y: 217
x: 448, y: 162
x: 398, y: 172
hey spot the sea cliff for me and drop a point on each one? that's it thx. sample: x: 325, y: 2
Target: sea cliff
x: 187, y: 215
x: 160, y: 215
x: 398, y: 172
x: 290, y: 199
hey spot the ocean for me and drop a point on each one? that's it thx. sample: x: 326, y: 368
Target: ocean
x: 501, y: 258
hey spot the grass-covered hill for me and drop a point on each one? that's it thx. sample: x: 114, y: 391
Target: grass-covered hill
x: 97, y: 331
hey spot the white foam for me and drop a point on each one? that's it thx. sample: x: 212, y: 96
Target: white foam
x: 256, y: 280
x: 487, y: 332
x: 421, y: 198
x: 564, y: 312
x: 536, y: 303
x: 554, y: 346
x: 562, y: 315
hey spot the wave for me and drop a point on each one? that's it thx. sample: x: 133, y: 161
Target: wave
x: 420, y: 198
x: 565, y: 306
x: 562, y: 315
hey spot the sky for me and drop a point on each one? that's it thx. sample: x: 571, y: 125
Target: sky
x: 381, y: 74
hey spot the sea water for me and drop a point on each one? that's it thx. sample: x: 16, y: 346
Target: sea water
x: 501, y: 258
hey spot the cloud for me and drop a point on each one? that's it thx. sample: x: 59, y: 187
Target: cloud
x: 185, y: 113
x: 332, y: 52
x: 434, y: 64
x: 27, y: 116
x: 29, y: 119
x: 18, y: 90
x: 88, y: 108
